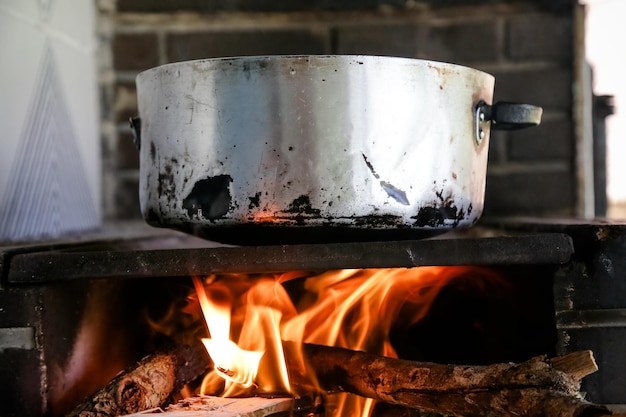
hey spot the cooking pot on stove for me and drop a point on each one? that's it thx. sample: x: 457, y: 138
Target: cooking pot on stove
x: 316, y: 148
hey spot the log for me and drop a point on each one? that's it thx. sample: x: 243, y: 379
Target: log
x: 532, y: 388
x: 577, y: 364
x: 224, y: 407
x: 149, y: 384
x: 538, y: 387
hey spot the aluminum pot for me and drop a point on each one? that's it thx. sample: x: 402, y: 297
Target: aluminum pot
x: 300, y: 148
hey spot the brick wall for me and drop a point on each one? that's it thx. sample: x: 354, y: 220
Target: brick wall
x: 527, y: 45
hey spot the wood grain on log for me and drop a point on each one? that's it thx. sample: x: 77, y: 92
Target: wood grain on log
x: 539, y: 387
x: 532, y: 388
x: 577, y: 364
x: 206, y: 406
x: 144, y: 387
x: 147, y: 385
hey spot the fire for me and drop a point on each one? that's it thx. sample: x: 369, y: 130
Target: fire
x: 250, y: 318
x: 232, y: 363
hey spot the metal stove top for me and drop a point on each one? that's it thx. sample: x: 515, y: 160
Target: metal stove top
x: 138, y: 251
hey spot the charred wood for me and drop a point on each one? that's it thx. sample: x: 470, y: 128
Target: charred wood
x: 533, y: 388
x: 147, y: 385
x: 538, y: 387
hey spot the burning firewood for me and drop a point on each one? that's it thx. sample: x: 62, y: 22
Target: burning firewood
x: 538, y: 387
x: 144, y: 387
x: 147, y: 385
x: 224, y: 407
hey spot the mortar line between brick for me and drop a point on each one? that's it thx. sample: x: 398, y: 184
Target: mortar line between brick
x: 501, y: 39
x: 515, y: 167
x: 161, y: 47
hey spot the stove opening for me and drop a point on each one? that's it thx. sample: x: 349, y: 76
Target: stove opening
x: 254, y: 327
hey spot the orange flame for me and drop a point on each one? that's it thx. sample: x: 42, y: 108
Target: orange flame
x: 231, y: 362
x: 354, y: 309
x: 257, y: 322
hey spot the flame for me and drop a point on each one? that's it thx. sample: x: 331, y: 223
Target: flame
x: 354, y: 309
x: 258, y: 306
x: 231, y: 362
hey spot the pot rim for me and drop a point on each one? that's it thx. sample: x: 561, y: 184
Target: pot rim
x: 432, y: 64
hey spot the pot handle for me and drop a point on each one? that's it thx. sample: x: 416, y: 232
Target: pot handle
x: 505, y: 115
x: 135, y: 125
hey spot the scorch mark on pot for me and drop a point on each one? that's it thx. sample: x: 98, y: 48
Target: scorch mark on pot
x: 303, y: 209
x: 153, y: 152
x: 209, y: 198
x: 441, y: 213
x: 166, y: 182
x: 302, y: 205
x: 255, y: 201
x: 391, y: 190
x: 434, y: 216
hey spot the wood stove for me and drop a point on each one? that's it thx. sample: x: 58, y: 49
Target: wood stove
x: 567, y: 279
